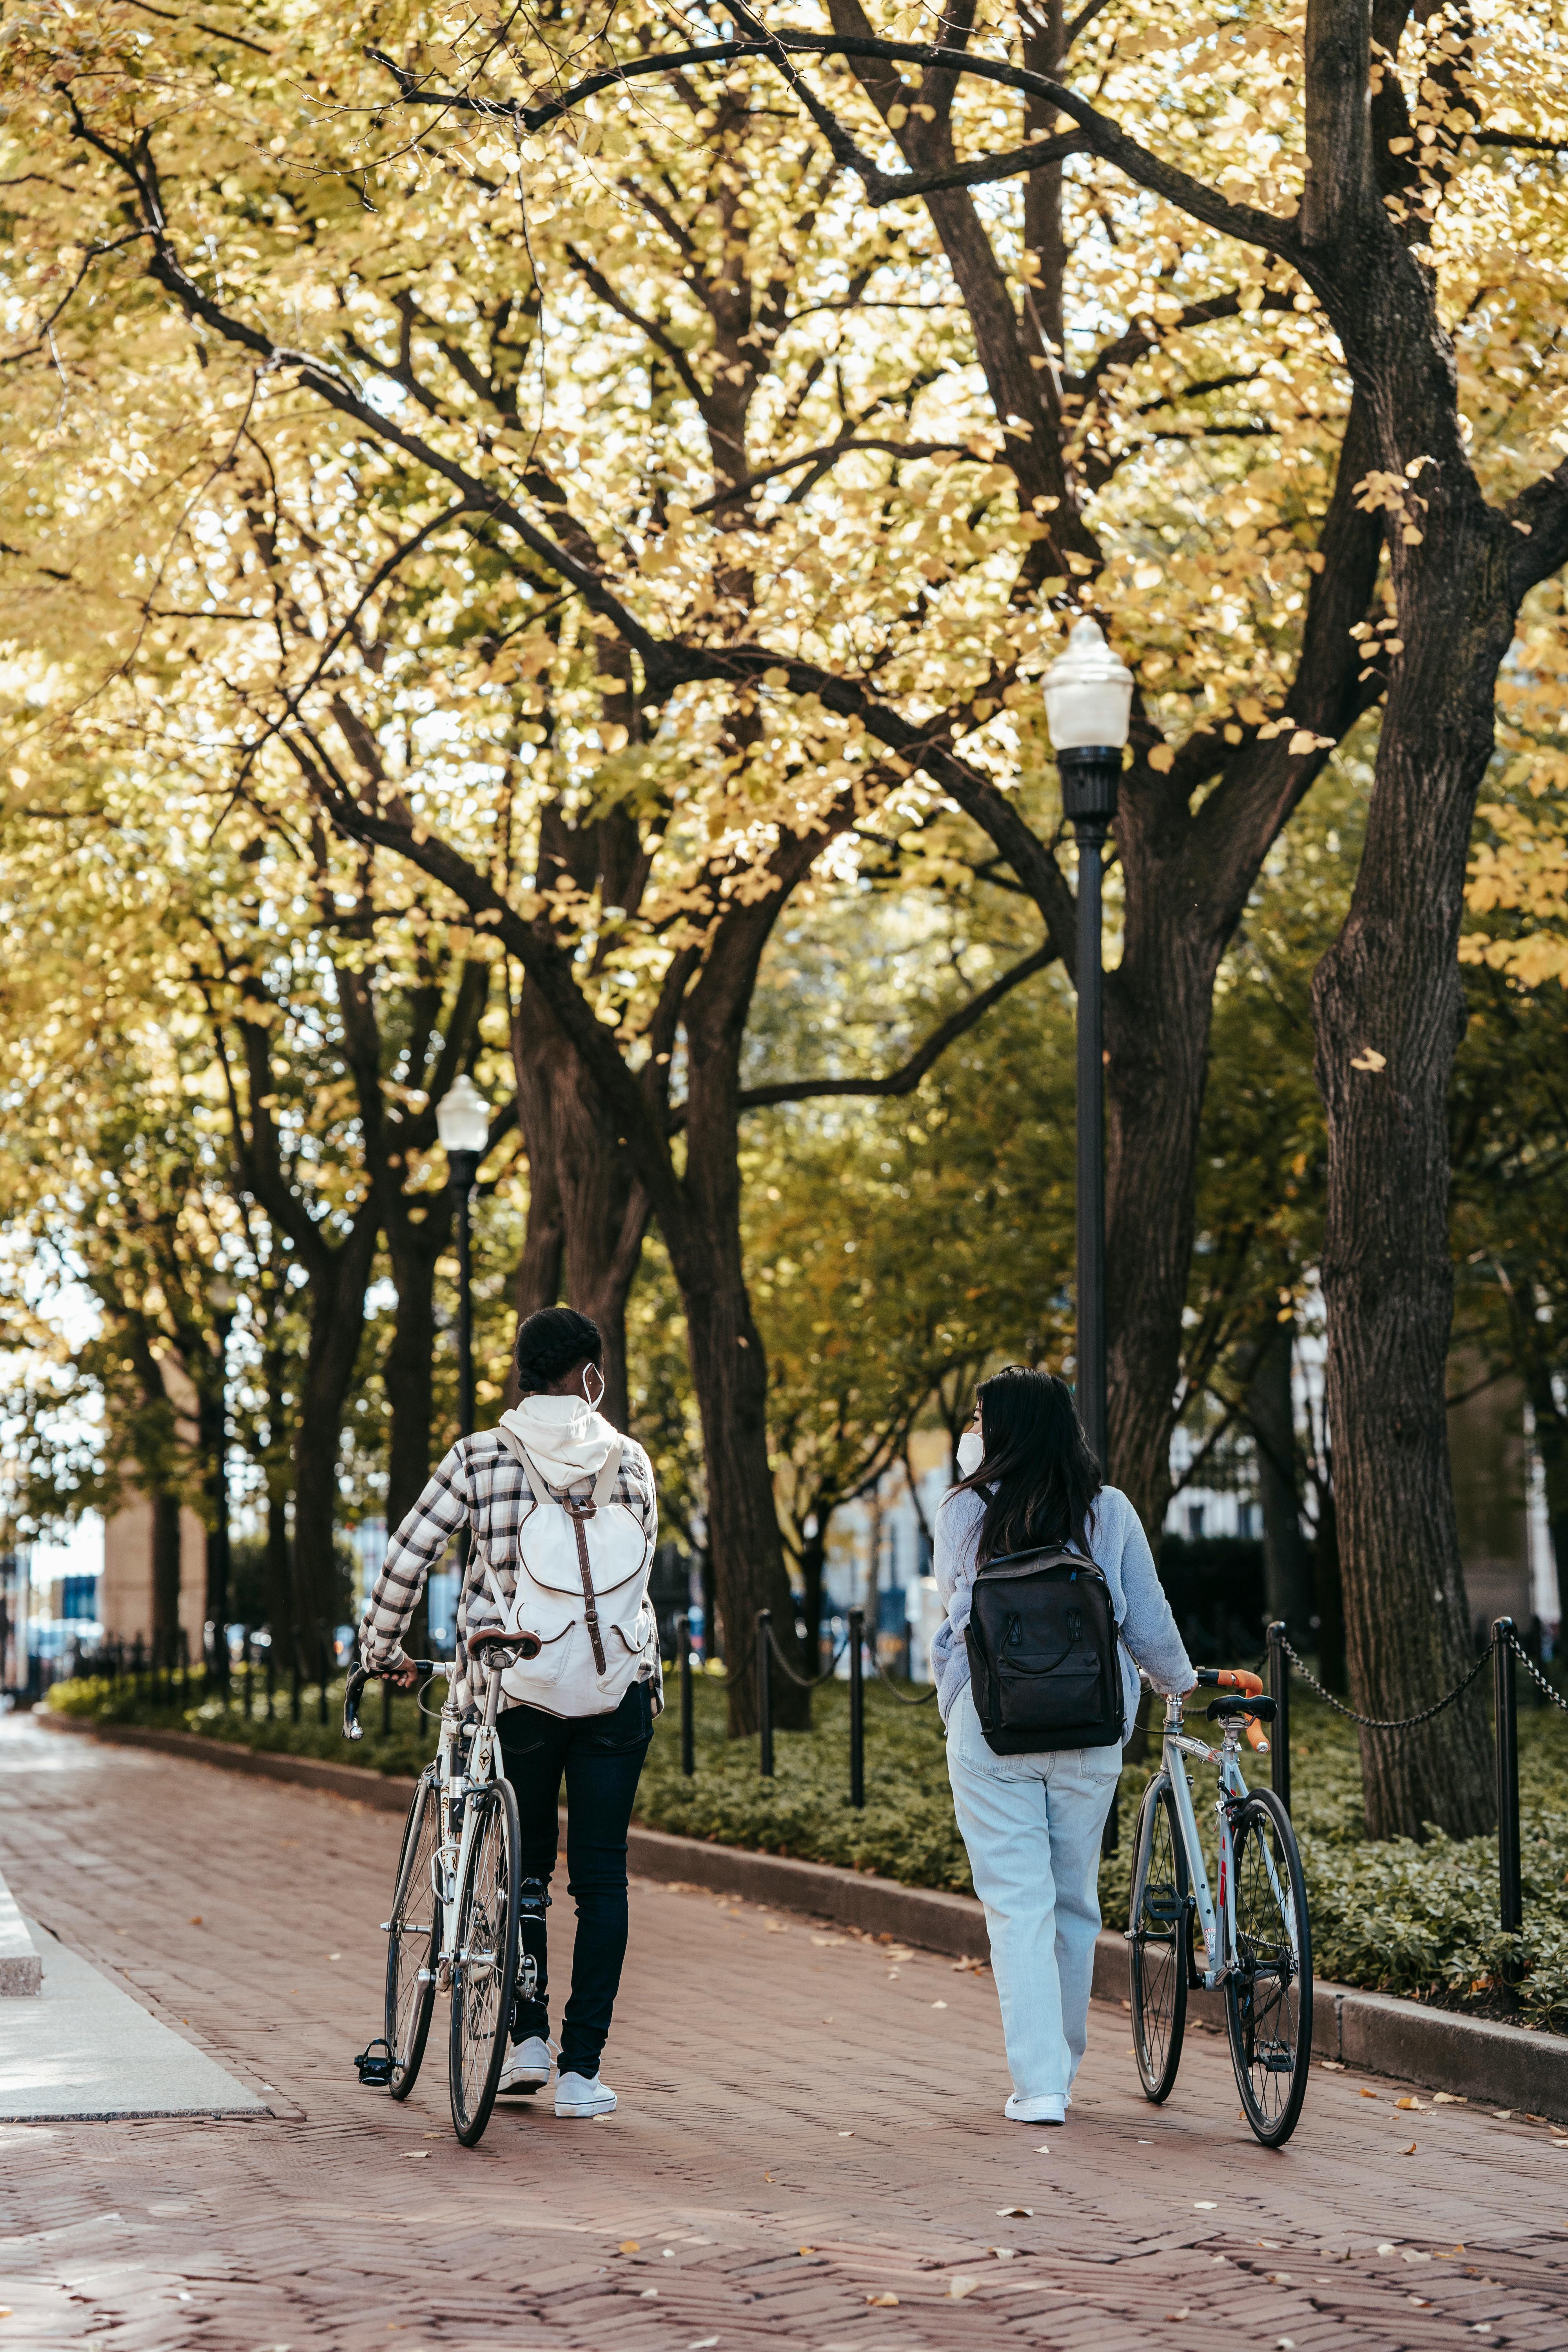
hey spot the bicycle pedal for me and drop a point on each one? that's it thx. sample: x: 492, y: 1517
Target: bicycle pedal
x: 374, y: 2072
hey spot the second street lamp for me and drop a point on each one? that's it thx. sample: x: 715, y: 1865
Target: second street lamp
x: 1089, y: 703
x: 223, y: 1302
x: 463, y: 1124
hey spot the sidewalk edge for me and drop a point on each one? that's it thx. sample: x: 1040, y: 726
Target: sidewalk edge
x: 1373, y: 2033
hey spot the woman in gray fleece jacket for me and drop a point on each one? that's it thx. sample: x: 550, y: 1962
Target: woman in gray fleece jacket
x: 1031, y: 1824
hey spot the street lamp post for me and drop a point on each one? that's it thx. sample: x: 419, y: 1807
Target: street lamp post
x: 222, y: 1300
x: 1089, y: 701
x: 463, y: 1124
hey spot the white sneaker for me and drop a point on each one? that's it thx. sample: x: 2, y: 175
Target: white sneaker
x: 526, y: 2066
x: 576, y: 2095
x: 1048, y: 2107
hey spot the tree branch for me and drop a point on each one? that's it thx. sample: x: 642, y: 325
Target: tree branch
x: 905, y: 1079
x: 1100, y: 135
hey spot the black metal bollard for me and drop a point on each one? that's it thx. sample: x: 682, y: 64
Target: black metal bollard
x: 185, y: 1668
x: 271, y: 1678
x: 764, y: 1695
x: 136, y: 1667
x: 245, y: 1670
x: 321, y: 1660
x: 1280, y: 1730
x: 857, y: 1708
x: 295, y: 1680
x: 1510, y: 1893
x: 688, y: 1728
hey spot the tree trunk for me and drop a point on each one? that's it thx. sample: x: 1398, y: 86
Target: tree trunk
x: 1271, y: 1412
x: 1329, y: 1594
x: 813, y: 1562
x: 1389, y: 1013
x: 165, y: 1577
x: 337, y: 1325
x: 1158, y: 1008
x: 593, y: 1213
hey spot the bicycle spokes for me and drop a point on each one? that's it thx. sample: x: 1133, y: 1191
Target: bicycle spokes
x: 1268, y: 1994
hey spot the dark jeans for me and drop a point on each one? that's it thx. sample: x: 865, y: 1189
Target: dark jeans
x: 602, y: 1759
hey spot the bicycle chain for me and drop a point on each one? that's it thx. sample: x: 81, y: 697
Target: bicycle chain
x: 1406, y: 1723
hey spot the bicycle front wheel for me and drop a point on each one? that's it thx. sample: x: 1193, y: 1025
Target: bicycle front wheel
x: 484, y: 1967
x: 413, y: 1940
x: 1159, y: 1941
x: 1268, y: 1994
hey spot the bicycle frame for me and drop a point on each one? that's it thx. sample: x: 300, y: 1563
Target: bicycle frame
x: 458, y: 1778
x: 1215, y: 1917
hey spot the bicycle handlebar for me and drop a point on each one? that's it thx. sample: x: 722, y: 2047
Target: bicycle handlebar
x: 1236, y: 1678
x: 361, y: 1675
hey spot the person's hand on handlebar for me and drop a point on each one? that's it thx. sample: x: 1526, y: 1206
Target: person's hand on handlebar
x: 402, y: 1677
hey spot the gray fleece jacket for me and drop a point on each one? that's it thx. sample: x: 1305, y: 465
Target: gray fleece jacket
x: 1114, y: 1539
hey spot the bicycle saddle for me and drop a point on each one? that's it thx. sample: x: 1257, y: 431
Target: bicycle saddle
x: 1221, y: 1710
x: 526, y: 1645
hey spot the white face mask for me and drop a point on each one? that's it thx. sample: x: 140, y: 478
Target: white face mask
x: 970, y: 1453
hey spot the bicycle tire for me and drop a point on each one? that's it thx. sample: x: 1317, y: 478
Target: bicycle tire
x: 484, y: 1962
x: 413, y: 1944
x: 1159, y: 1940
x: 1271, y: 2041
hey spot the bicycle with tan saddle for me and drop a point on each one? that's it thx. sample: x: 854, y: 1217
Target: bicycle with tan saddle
x: 1250, y: 1938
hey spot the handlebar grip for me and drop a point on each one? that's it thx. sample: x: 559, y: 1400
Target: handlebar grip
x: 358, y: 1677
x: 1255, y: 1734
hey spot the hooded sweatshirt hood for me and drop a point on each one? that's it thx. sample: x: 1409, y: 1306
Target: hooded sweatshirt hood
x: 567, y: 1439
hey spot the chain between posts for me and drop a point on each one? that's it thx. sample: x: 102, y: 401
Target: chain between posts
x: 1533, y: 1671
x: 1406, y: 1723
x: 805, y: 1682
x: 882, y: 1676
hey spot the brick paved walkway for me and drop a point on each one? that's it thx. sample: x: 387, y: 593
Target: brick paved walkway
x: 809, y: 2152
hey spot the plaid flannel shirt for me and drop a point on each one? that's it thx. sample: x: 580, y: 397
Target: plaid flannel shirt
x: 481, y: 1484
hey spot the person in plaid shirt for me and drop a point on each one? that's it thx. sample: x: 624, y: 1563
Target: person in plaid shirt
x: 482, y: 1486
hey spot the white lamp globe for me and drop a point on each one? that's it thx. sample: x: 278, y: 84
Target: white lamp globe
x: 1088, y: 693
x: 463, y: 1117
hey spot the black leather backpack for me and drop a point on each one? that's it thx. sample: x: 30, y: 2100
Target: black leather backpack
x: 1043, y: 1662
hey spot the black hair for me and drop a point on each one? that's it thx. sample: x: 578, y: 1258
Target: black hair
x: 1037, y: 1477
x: 550, y: 1343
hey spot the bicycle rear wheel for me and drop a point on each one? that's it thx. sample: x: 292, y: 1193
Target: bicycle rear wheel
x: 413, y: 1940
x: 1268, y: 1996
x: 484, y: 1965
x: 1159, y: 1937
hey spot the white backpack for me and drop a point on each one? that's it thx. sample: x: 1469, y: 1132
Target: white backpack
x: 580, y: 1583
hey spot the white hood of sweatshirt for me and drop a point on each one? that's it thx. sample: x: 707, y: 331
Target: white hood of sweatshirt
x: 567, y: 1439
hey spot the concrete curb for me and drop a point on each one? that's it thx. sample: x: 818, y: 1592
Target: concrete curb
x: 21, y: 1968
x: 1375, y: 2033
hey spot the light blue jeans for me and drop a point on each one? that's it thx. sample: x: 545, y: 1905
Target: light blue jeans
x: 1032, y: 1825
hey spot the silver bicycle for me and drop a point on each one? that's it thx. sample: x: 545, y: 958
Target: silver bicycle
x: 1253, y: 1936
x: 454, y: 1923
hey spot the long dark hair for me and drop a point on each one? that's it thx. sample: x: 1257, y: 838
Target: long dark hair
x: 1037, y: 1477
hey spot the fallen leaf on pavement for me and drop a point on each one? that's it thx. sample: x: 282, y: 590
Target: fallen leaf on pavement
x: 1448, y: 2099
x: 1205, y: 2205
x: 1015, y: 2212
x: 631, y: 2245
x: 1409, y: 2103
x: 962, y: 2286
x: 1366, y: 2093
x: 1408, y: 2151
x: 414, y: 2154
x: 884, y: 2302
